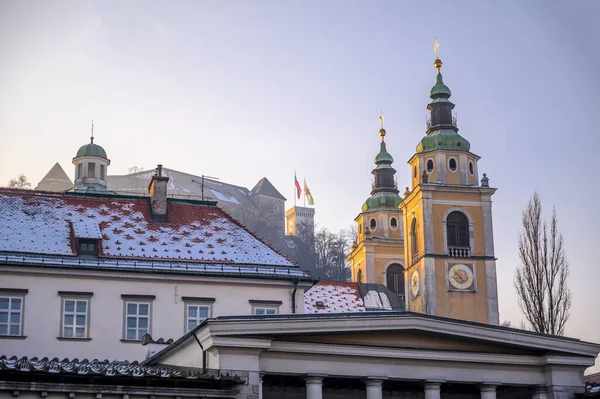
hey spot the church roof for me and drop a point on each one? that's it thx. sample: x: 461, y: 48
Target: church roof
x: 55, y: 180
x: 199, y: 235
x: 265, y: 187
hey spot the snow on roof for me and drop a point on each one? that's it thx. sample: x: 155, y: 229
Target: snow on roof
x: 86, y: 229
x: 40, y: 223
x: 377, y: 300
x: 333, y: 297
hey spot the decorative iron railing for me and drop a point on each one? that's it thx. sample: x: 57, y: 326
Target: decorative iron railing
x: 454, y: 122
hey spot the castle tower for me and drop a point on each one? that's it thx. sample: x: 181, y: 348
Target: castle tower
x: 300, y: 220
x: 378, y: 254
x: 91, y: 164
x: 449, y: 249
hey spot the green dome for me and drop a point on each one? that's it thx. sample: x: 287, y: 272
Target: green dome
x: 440, y: 89
x: 383, y: 156
x: 443, y: 139
x: 91, y: 150
x: 382, y: 200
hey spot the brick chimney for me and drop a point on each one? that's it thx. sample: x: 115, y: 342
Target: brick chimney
x: 158, y: 195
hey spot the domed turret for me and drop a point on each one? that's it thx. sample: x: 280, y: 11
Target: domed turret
x: 91, y: 150
x: 384, y: 194
x: 91, y: 164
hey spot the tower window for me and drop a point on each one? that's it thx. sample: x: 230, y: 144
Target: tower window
x: 414, y: 233
x: 394, y: 223
x: 373, y: 224
x: 359, y: 276
x: 395, y: 278
x: 471, y: 168
x: 80, y: 171
x: 102, y: 172
x: 452, y: 165
x: 457, y: 230
x: 91, y: 169
x: 414, y: 172
x: 429, y: 165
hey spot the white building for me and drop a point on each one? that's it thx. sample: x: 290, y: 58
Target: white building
x: 88, y: 273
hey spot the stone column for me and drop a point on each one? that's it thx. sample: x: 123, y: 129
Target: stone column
x: 314, y: 387
x: 374, y: 388
x: 260, y: 382
x: 539, y: 393
x: 432, y: 390
x: 488, y: 391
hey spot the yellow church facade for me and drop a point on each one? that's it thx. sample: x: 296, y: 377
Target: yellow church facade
x: 435, y: 246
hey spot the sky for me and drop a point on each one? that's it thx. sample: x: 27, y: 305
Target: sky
x: 246, y: 89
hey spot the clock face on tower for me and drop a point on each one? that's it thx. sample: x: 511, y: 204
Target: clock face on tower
x: 461, y: 278
x: 414, y: 283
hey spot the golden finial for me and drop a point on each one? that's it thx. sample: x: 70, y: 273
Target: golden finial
x: 436, y: 50
x: 92, y: 138
x: 381, y: 130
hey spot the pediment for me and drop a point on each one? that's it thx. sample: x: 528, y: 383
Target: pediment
x: 408, y: 340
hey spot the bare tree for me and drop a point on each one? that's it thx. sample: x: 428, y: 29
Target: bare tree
x: 541, y: 279
x: 19, y: 182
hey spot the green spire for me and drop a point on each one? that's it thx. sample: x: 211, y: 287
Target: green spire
x: 384, y: 194
x: 442, y: 132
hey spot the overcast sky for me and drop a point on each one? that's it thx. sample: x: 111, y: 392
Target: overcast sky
x: 246, y: 89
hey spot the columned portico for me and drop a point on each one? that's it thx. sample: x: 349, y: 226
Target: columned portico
x: 432, y: 389
x: 374, y: 388
x: 488, y: 391
x: 314, y: 387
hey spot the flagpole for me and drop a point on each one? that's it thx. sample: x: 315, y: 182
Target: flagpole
x: 304, y: 203
x: 295, y: 187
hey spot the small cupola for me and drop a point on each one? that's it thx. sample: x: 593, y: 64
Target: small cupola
x: 91, y: 165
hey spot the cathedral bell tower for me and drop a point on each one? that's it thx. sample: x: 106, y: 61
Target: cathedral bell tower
x: 447, y: 215
x: 377, y: 256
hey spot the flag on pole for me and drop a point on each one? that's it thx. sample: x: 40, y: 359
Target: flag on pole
x: 311, y: 200
x: 298, y: 189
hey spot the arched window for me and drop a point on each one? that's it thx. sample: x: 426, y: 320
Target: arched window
x: 359, y: 276
x: 395, y: 278
x: 414, y: 247
x: 457, y: 230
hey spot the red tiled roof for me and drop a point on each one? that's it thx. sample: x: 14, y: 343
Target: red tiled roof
x: 46, y: 223
x: 336, y: 296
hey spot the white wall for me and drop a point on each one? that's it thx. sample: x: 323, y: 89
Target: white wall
x: 42, y: 307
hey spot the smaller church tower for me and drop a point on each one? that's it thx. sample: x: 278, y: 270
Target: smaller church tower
x: 378, y: 255
x: 91, y: 164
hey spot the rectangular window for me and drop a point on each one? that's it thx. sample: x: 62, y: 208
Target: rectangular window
x: 75, y: 316
x: 264, y: 310
x: 137, y: 319
x: 79, y: 171
x: 11, y: 315
x: 87, y: 247
x: 91, y: 169
x: 265, y: 307
x: 102, y: 172
x: 196, y: 314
